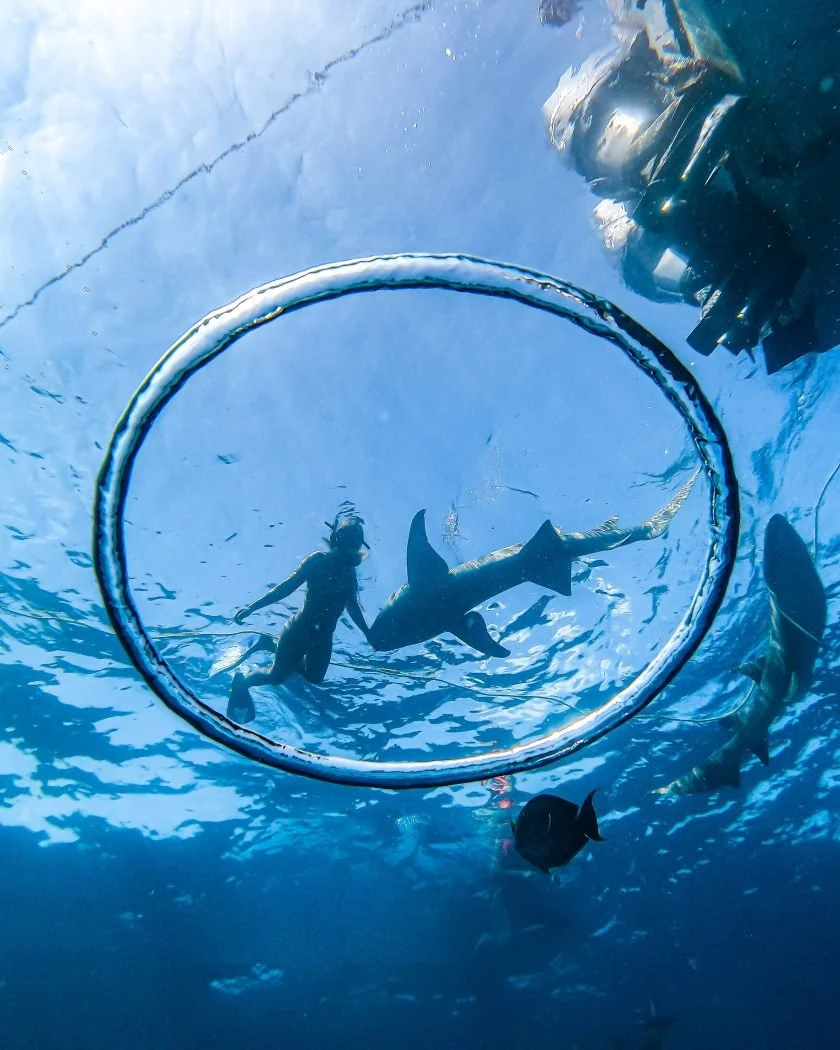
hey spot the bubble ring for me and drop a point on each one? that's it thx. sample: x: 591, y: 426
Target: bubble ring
x: 218, y: 330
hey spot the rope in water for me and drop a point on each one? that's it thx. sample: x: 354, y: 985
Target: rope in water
x: 209, y: 632
x: 817, y: 508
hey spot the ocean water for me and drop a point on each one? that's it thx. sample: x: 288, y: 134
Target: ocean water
x: 159, y: 890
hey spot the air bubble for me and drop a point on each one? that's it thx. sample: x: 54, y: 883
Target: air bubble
x: 219, y: 330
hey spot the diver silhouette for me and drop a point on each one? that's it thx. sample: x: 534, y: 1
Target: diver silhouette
x: 305, y: 643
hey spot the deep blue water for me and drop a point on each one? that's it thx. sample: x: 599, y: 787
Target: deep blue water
x: 159, y: 891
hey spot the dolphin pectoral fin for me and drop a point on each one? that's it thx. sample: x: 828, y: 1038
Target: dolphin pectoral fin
x: 472, y: 630
x: 423, y: 563
x: 548, y: 563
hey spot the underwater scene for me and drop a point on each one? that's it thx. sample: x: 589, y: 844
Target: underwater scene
x: 421, y: 525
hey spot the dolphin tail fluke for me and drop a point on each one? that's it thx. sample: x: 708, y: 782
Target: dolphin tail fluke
x: 588, y: 819
x: 549, y: 565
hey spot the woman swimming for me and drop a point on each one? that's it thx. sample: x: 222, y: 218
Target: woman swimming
x: 305, y: 643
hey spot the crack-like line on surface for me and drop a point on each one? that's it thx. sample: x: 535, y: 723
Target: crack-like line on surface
x: 317, y: 79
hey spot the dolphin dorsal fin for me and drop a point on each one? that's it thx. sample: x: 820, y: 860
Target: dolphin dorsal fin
x: 423, y: 563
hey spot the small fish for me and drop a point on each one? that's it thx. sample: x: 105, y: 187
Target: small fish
x: 531, y: 617
x: 523, y: 492
x: 551, y: 831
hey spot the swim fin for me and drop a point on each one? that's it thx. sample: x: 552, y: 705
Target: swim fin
x: 240, y: 705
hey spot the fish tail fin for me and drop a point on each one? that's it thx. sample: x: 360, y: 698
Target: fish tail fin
x: 548, y: 563
x: 588, y: 819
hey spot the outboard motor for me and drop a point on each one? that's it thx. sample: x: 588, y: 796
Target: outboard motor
x: 698, y: 182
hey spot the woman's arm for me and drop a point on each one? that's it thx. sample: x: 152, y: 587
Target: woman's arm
x: 282, y: 590
x: 354, y: 611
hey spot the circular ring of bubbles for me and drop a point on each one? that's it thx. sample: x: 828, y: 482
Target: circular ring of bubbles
x: 219, y: 330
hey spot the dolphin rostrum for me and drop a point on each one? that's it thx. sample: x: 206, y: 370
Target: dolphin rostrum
x: 438, y: 600
x: 781, y: 673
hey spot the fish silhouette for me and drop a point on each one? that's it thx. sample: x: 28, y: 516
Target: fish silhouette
x: 550, y: 830
x: 782, y: 673
x: 439, y: 600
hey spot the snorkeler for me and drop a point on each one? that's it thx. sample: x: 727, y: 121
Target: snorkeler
x: 305, y: 643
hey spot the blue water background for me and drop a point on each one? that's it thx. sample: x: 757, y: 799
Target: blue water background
x: 157, y: 891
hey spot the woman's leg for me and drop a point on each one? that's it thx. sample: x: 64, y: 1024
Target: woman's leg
x: 287, y: 658
x: 317, y: 659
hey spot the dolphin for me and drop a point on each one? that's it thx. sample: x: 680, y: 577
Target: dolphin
x: 782, y: 673
x: 438, y: 600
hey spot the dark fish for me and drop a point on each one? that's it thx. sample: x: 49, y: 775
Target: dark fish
x: 532, y: 616
x: 550, y: 830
